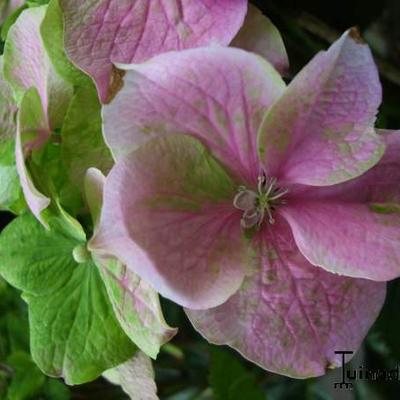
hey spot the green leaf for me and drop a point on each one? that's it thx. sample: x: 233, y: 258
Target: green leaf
x: 230, y: 380
x: 52, y: 30
x: 19, y: 377
x: 74, y: 333
x: 82, y: 143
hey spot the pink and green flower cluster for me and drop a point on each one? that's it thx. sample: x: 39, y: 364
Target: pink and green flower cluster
x: 159, y: 150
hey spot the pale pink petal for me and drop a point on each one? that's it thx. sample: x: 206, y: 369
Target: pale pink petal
x: 27, y: 65
x: 259, y: 35
x: 168, y: 216
x: 219, y: 95
x: 291, y: 317
x: 99, y: 33
x: 349, y: 239
x: 320, y: 132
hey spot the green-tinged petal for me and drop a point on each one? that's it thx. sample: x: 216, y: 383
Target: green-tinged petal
x: 168, y: 216
x: 291, y: 316
x: 42, y: 96
x: 136, y: 378
x: 11, y: 197
x: 321, y: 130
x: 26, y: 65
x: 218, y: 95
x: 136, y: 304
x: 52, y: 30
x: 32, y: 133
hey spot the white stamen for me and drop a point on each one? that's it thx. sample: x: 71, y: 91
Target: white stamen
x: 279, y: 195
x: 265, y: 201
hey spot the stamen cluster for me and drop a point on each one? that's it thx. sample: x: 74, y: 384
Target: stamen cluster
x: 257, y: 205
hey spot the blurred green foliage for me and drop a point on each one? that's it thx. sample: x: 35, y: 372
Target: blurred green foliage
x: 20, y: 379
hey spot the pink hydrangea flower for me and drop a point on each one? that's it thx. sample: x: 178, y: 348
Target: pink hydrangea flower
x: 269, y: 211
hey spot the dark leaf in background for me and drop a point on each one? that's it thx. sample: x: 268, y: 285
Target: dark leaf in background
x: 229, y: 379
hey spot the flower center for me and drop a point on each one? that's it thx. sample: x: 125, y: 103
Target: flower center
x: 256, y: 206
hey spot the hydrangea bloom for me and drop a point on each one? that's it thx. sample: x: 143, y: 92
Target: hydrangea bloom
x: 32, y: 60
x: 238, y: 200
x: 101, y: 33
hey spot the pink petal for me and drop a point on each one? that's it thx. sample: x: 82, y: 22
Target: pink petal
x: 259, y: 35
x: 378, y: 185
x: 320, y: 132
x: 168, y: 216
x: 102, y: 32
x: 353, y: 228
x: 218, y: 95
x: 291, y: 317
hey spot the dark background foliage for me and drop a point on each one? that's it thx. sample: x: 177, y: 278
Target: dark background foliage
x: 189, y: 368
